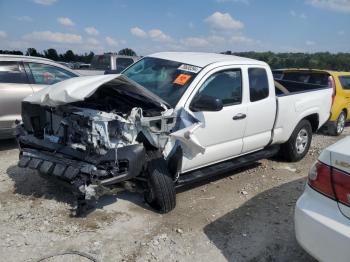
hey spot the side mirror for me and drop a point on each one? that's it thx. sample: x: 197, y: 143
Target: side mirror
x: 206, y: 103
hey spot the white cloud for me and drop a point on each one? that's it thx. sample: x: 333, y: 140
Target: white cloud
x: 341, y: 32
x: 24, y: 18
x: 154, y: 34
x: 65, y: 21
x: 223, y: 21
x: 53, y: 37
x: 159, y: 35
x: 242, y: 40
x: 92, y: 41
x: 45, y: 2
x: 136, y: 31
x: 334, y: 5
x: 194, y: 42
x: 215, y: 39
x: 213, y: 42
x: 310, y: 43
x: 111, y: 41
x: 3, y: 34
x: 91, y: 30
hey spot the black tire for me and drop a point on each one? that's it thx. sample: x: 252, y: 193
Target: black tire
x: 338, y: 126
x: 160, y: 194
x: 289, y: 150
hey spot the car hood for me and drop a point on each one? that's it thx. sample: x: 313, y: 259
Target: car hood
x: 79, y: 88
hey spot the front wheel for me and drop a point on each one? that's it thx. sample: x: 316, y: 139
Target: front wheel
x: 299, y: 143
x: 160, y: 193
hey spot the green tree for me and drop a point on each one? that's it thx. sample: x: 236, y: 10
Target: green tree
x: 69, y: 56
x: 127, y: 51
x: 32, y: 52
x: 51, y: 54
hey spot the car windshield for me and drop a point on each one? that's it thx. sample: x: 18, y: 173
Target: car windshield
x: 167, y: 79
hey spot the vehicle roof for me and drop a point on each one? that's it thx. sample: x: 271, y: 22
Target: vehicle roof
x: 118, y: 56
x: 331, y: 72
x: 24, y: 57
x: 204, y: 59
x: 35, y: 59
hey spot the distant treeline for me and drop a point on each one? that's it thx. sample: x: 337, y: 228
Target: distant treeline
x: 324, y: 60
x: 68, y: 56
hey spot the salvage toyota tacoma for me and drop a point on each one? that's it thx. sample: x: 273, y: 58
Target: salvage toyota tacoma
x: 168, y: 120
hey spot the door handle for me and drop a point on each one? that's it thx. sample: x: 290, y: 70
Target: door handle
x: 239, y: 116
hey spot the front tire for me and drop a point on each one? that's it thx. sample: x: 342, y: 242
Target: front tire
x: 160, y: 194
x: 299, y: 143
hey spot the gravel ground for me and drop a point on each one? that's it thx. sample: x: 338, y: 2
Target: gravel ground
x: 241, y: 216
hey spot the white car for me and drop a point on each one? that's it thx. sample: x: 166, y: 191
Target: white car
x: 166, y: 121
x: 322, y: 213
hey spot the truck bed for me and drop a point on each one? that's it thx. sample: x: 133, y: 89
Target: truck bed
x: 302, y: 100
x: 297, y: 87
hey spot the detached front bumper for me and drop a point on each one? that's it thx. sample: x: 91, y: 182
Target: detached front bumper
x: 81, y: 170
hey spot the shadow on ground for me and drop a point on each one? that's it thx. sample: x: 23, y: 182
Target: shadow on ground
x: 262, y: 229
x: 7, y: 144
x: 215, y: 177
x: 28, y: 182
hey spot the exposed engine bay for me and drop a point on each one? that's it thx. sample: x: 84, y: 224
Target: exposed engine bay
x: 94, y: 131
x: 102, y: 138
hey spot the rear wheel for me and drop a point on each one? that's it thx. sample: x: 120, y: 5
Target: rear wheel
x: 338, y: 127
x: 299, y: 143
x: 160, y: 193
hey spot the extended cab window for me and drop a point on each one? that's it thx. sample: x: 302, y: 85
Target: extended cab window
x: 258, y: 84
x: 225, y: 85
x: 345, y: 82
x: 12, y: 72
x: 47, y: 74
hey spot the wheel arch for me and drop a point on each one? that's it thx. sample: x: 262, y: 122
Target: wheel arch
x: 346, y: 112
x: 314, y: 120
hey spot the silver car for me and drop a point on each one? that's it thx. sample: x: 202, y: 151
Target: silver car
x: 20, y: 76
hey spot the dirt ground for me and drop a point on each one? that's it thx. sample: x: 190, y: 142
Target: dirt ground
x: 241, y: 216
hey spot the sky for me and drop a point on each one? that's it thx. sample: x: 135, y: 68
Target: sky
x: 181, y: 25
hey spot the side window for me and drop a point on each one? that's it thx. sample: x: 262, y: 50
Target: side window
x: 47, y: 74
x: 258, y: 84
x: 12, y: 72
x: 345, y: 82
x: 123, y: 63
x: 225, y: 85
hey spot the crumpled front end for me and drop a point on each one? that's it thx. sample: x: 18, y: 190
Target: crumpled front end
x: 101, y: 141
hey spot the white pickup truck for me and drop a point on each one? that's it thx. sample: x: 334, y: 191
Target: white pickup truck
x: 167, y: 120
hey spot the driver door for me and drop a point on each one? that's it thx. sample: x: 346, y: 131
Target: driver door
x: 221, y: 132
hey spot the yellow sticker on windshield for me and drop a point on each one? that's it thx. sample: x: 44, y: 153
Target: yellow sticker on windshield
x: 182, y: 79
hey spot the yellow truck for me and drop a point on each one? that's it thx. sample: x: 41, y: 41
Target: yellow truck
x: 340, y: 82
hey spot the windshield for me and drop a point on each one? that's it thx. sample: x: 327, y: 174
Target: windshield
x: 167, y: 79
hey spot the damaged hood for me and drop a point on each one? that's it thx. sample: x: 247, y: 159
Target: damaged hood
x: 79, y: 88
